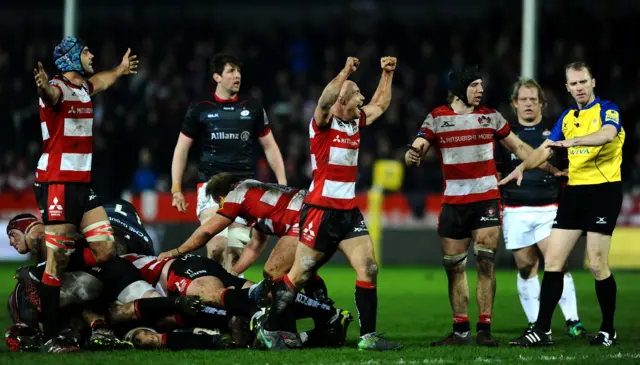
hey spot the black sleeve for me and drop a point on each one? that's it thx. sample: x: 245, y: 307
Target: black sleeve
x: 502, y: 164
x: 262, y: 122
x: 190, y: 122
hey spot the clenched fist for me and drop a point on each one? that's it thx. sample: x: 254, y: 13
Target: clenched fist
x: 40, y: 76
x: 413, y: 156
x: 352, y: 64
x: 388, y: 63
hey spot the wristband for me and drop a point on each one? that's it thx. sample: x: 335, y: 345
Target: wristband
x: 176, y: 188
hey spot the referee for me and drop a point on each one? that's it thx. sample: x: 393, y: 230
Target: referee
x: 591, y: 131
x: 230, y: 129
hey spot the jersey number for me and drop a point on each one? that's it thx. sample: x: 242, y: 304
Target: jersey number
x: 119, y: 210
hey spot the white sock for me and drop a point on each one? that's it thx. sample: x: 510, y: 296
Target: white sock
x: 241, y: 276
x: 568, y: 302
x: 529, y: 293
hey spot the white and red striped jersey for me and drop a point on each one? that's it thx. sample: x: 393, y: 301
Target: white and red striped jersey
x: 149, y: 266
x: 67, y: 130
x: 334, y: 162
x: 465, y: 144
x: 275, y: 209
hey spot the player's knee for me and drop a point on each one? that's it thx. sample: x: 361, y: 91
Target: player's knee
x: 599, y: 269
x: 485, y: 259
x: 455, y: 263
x: 99, y: 232
x: 526, y: 271
x: 370, y: 271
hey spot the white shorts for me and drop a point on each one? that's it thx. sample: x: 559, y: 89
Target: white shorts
x: 206, y: 202
x: 525, y: 226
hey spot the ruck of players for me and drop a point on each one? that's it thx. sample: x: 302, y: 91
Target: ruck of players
x: 95, y: 282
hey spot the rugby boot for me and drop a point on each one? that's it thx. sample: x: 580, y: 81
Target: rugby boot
x: 604, y: 339
x: 532, y: 338
x: 259, y: 292
x: 271, y: 340
x: 102, y: 339
x: 66, y: 341
x: 332, y: 334
x: 454, y: 339
x: 191, y: 305
x: 575, y: 329
x: 377, y: 342
x: 484, y: 338
x: 240, y: 329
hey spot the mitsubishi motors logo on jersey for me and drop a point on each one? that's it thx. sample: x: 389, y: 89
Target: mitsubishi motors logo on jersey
x: 345, y: 141
x: 55, y: 209
x: 308, y: 233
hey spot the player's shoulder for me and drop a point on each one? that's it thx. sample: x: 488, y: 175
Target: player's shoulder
x: 249, y: 102
x: 486, y: 110
x: 442, y: 111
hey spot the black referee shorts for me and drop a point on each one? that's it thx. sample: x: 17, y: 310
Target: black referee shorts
x: 590, y: 208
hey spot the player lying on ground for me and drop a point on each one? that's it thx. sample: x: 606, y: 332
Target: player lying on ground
x: 117, y: 282
x: 200, y: 276
x: 530, y: 209
x: 330, y: 219
x: 271, y: 209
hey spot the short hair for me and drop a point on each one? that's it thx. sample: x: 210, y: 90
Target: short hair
x: 531, y: 84
x: 220, y: 60
x: 577, y: 66
x: 221, y: 184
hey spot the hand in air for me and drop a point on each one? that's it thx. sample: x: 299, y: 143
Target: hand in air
x: 388, y: 63
x: 352, y: 64
x: 129, y: 63
x: 40, y: 76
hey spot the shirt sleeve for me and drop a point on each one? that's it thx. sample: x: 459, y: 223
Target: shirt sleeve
x: 556, y: 133
x: 610, y: 114
x: 234, y: 203
x: 262, y: 124
x: 362, y: 122
x: 190, y: 122
x: 502, y: 127
x: 230, y: 210
x: 427, y: 130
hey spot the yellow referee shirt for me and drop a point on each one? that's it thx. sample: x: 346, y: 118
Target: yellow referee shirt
x: 590, y: 165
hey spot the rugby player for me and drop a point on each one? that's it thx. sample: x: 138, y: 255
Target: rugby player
x: 591, y: 130
x: 529, y: 209
x: 62, y: 187
x: 463, y: 132
x: 229, y: 129
x: 270, y: 209
x: 330, y: 219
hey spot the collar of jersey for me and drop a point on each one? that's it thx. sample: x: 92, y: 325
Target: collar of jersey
x: 67, y: 82
x: 216, y: 98
x: 594, y: 102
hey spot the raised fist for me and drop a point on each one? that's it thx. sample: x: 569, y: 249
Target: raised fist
x: 388, y: 63
x: 352, y: 64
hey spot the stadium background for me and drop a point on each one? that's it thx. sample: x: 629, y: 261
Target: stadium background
x: 290, y: 51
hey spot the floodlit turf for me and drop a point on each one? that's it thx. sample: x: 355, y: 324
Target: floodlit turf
x: 413, y: 309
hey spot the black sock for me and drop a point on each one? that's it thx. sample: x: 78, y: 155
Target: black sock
x: 306, y: 307
x: 77, y: 262
x: 237, y: 302
x: 315, y: 288
x: 185, y: 339
x: 550, y: 294
x: 281, y: 314
x: 367, y: 304
x: 49, y: 301
x: 606, y: 291
x: 462, y: 327
x: 209, y: 318
x: 151, y: 310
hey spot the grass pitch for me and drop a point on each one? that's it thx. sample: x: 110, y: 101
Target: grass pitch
x: 414, y: 309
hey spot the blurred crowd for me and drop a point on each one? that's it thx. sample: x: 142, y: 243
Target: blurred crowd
x: 137, y: 121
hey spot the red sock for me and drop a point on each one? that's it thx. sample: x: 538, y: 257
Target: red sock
x: 289, y: 284
x: 485, y: 318
x: 51, y: 280
x: 460, y: 319
x: 89, y: 259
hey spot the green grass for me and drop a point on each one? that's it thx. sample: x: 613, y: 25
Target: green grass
x: 413, y: 309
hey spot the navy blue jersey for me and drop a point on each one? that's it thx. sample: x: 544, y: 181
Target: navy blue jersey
x: 538, y: 187
x: 128, y: 227
x: 227, y: 132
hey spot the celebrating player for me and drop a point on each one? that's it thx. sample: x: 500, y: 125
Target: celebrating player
x: 63, y: 174
x: 230, y: 127
x: 592, y: 132
x: 529, y: 209
x: 464, y: 132
x: 330, y: 217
